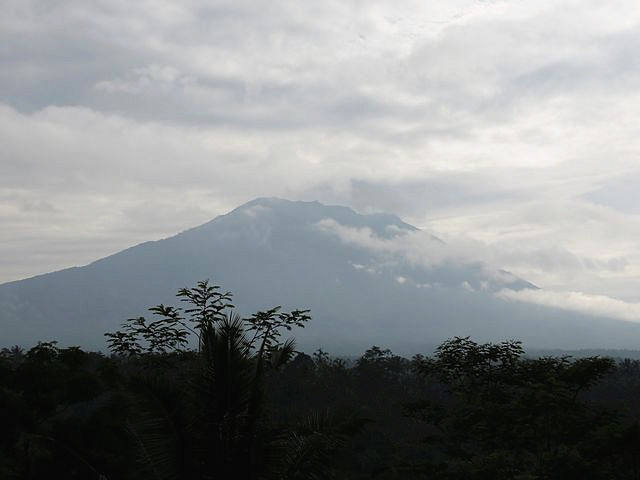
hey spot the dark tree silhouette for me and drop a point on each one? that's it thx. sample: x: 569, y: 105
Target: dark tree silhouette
x: 506, y: 416
x: 212, y: 423
x: 198, y: 392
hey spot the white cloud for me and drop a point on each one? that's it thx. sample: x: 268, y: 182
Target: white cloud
x: 597, y: 305
x: 507, y: 128
x: 467, y: 286
x: 255, y: 210
x: 159, y: 77
x: 532, y: 254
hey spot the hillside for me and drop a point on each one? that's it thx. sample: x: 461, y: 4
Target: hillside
x: 299, y: 254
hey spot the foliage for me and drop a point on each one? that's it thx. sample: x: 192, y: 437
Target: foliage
x: 174, y: 325
x: 218, y: 417
x: 199, y: 392
x: 207, y: 307
x: 507, y: 416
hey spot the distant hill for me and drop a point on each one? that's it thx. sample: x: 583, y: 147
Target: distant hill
x: 272, y: 251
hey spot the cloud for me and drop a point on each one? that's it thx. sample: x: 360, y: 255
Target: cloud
x: 416, y: 246
x: 507, y: 128
x: 162, y: 78
x: 596, y: 305
x: 533, y: 254
x: 255, y: 210
x: 420, y: 248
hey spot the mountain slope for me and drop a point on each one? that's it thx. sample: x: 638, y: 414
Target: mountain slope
x: 300, y: 254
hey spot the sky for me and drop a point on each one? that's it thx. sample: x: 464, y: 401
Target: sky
x: 507, y: 128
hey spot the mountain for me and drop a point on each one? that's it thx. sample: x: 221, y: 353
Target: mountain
x: 348, y: 268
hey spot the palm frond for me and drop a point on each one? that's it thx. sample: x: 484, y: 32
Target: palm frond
x: 153, y: 427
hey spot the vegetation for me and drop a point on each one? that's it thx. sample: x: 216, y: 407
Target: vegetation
x: 197, y: 392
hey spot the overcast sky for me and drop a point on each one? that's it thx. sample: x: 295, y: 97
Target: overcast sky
x: 509, y: 128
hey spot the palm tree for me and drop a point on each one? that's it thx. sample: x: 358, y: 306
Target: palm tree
x: 213, y: 424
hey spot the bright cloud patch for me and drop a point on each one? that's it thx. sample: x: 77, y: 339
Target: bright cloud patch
x: 597, y: 305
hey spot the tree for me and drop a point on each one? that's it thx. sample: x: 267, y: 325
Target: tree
x: 211, y: 422
x: 506, y: 416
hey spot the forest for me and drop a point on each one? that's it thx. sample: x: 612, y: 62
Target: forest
x: 196, y: 391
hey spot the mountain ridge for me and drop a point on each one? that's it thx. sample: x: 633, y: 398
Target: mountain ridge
x: 272, y: 251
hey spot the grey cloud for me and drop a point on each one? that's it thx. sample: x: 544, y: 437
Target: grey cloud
x: 620, y: 193
x: 510, y: 126
x: 415, y: 198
